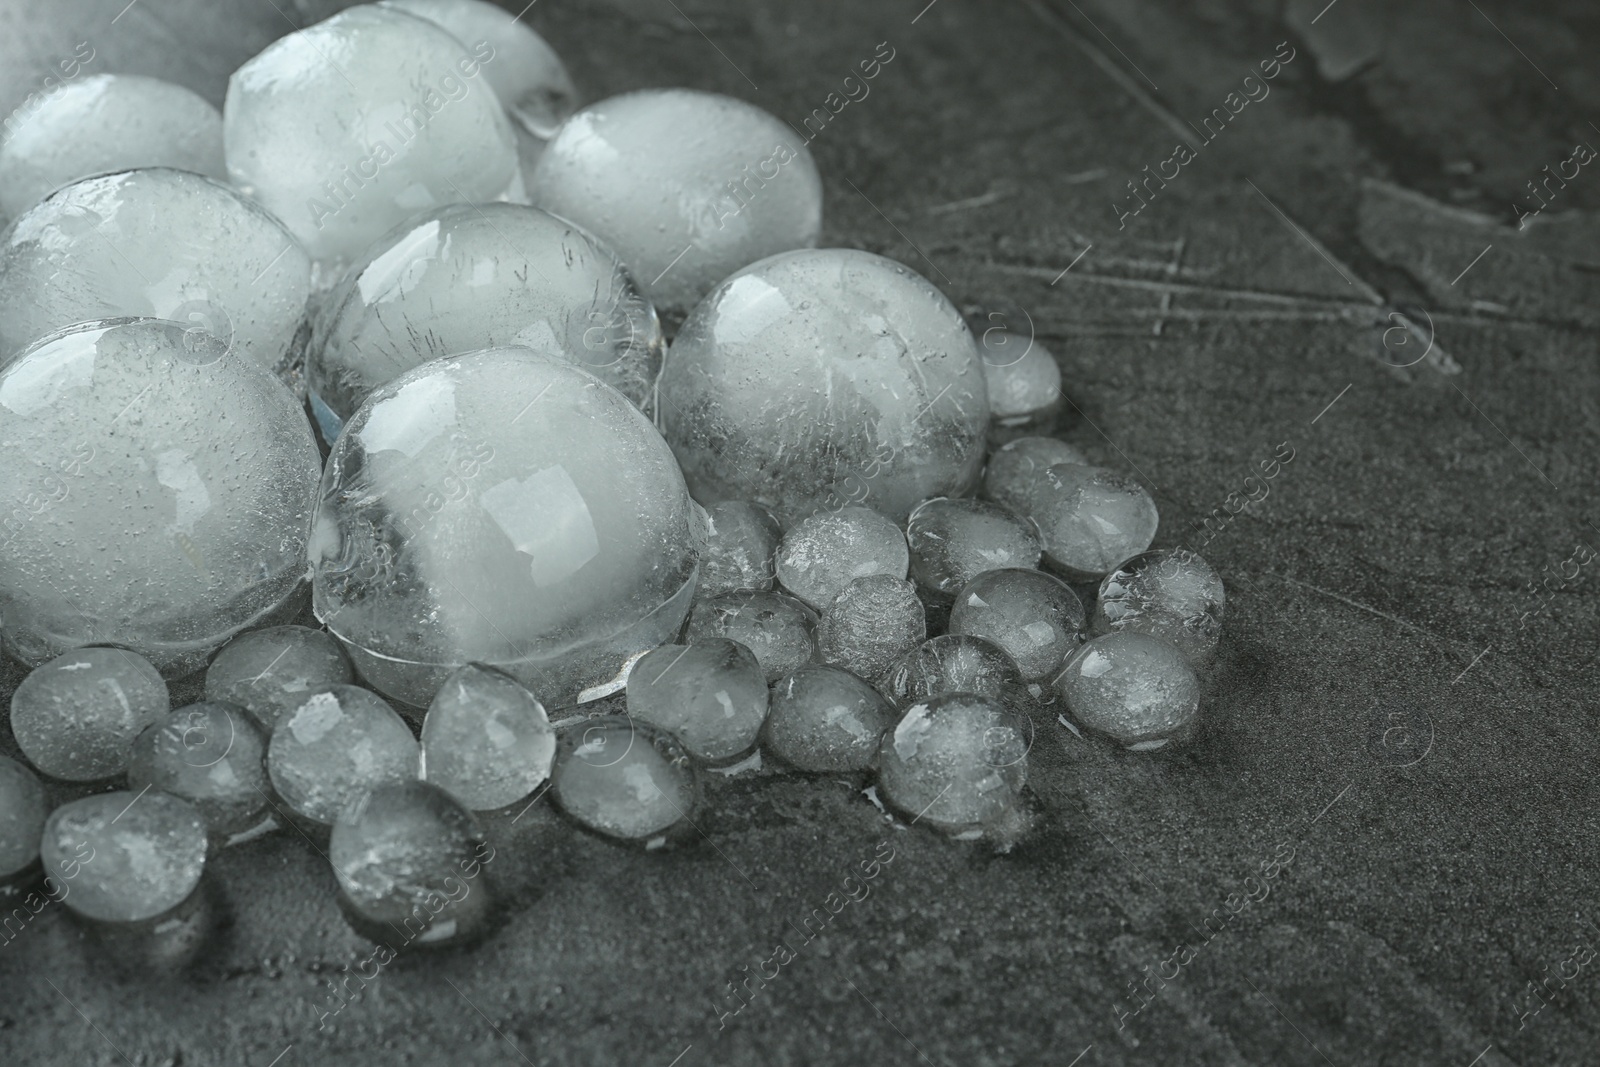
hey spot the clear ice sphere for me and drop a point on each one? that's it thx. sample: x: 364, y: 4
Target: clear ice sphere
x: 825, y: 719
x: 817, y: 379
x: 124, y: 857
x: 339, y: 743
x: 1170, y: 593
x: 1091, y: 519
x: 822, y: 554
x: 872, y: 623
x: 75, y: 717
x: 269, y: 672
x: 1034, y: 617
x: 778, y: 629
x: 157, y: 494
x: 102, y: 123
x: 468, y: 277
x: 157, y: 243
x: 687, y: 186
x: 486, y: 740
x: 1135, y: 689
x: 625, y: 780
x: 23, y: 808
x: 1023, y: 377
x: 742, y: 541
x: 505, y: 509
x: 954, y: 541
x: 349, y: 127
x: 953, y: 663
x: 957, y: 762
x: 210, y: 754
x: 711, y: 695
x: 1015, y: 467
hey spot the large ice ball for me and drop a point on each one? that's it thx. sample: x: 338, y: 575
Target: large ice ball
x: 502, y: 508
x: 821, y: 378
x: 156, y: 494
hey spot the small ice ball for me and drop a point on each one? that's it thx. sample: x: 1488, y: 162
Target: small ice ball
x: 742, y: 542
x: 1023, y: 377
x: 1172, y: 594
x: 505, y: 509
x: 125, y: 857
x: 468, y: 277
x: 872, y: 623
x: 75, y: 717
x: 816, y: 379
x: 1014, y: 468
x: 486, y: 740
x: 625, y: 780
x: 339, y: 743
x: 952, y: 663
x: 1135, y: 689
x: 1091, y: 518
x: 23, y: 808
x: 156, y: 494
x: 1035, y: 618
x: 957, y: 762
x: 269, y: 672
x: 779, y: 630
x: 103, y: 123
x: 351, y: 126
x: 954, y: 541
x: 711, y: 695
x: 687, y: 186
x: 825, y: 719
x: 822, y: 554
x: 210, y: 754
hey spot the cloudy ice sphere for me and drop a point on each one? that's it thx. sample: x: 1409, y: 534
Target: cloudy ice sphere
x: 340, y: 742
x: 75, y: 717
x: 711, y: 695
x: 268, y: 672
x: 1172, y: 594
x: 211, y: 755
x: 468, y: 277
x: 349, y: 127
x: 1013, y: 468
x: 952, y: 663
x: 871, y: 623
x: 486, y: 740
x: 124, y: 857
x: 824, y: 719
x: 504, y: 509
x: 687, y: 187
x: 1091, y: 519
x: 1135, y: 689
x: 23, y: 808
x: 779, y: 630
x: 822, y: 554
x: 103, y: 123
x: 956, y: 762
x: 954, y: 541
x: 1035, y: 618
x: 741, y: 542
x: 160, y: 243
x: 1024, y: 379
x: 624, y: 779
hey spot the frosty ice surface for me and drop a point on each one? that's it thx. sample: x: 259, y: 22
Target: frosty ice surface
x: 1034, y: 617
x: 1172, y: 594
x: 871, y: 623
x: 211, y: 755
x: 125, y: 857
x: 23, y: 808
x: 711, y: 695
x: 777, y: 628
x: 952, y: 663
x: 76, y: 716
x: 1015, y: 467
x: 486, y: 740
x: 741, y: 543
x: 1024, y: 381
x: 268, y: 672
x: 1135, y: 689
x: 822, y: 554
x: 825, y: 719
x: 954, y: 541
x: 339, y: 743
x: 624, y: 779
x: 955, y: 762
x: 1091, y: 519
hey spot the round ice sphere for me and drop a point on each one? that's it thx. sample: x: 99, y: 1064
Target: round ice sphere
x: 872, y: 623
x: 468, y: 277
x: 1091, y: 518
x: 211, y: 755
x: 268, y: 672
x: 1024, y: 380
x: 826, y: 719
x: 1014, y: 468
x: 778, y: 629
x: 504, y: 509
x: 819, y: 378
x: 954, y: 541
x: 741, y: 543
x: 76, y: 717
x: 952, y: 663
x: 822, y: 554
x: 687, y: 187
x: 154, y: 497
x: 162, y: 243
x: 1172, y: 594
x: 103, y: 123
x: 956, y: 761
x: 347, y: 128
x: 486, y: 740
x: 711, y: 695
x: 339, y: 743
x: 624, y: 779
x: 23, y: 808
x: 125, y: 857
x: 1135, y: 689
x: 1035, y: 618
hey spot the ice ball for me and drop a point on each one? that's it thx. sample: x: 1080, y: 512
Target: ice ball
x: 1135, y: 689
x: 872, y: 623
x: 778, y: 629
x: 625, y: 780
x: 1015, y: 467
x: 125, y: 857
x: 954, y: 541
x: 1172, y: 594
x: 23, y: 808
x: 1035, y: 618
x: 269, y: 672
x: 825, y: 719
x: 76, y: 717
x: 710, y: 695
x: 952, y: 663
x: 1024, y: 382
x: 822, y: 554
x: 742, y: 539
x: 1091, y: 519
x: 339, y: 743
x: 211, y: 755
x: 957, y: 762
x: 486, y: 740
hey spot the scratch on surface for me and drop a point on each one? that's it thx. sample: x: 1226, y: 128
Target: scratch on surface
x: 1357, y: 604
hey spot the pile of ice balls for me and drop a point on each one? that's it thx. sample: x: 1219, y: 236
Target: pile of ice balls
x: 393, y: 327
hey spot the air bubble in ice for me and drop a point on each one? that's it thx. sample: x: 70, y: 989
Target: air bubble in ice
x: 1034, y: 617
x: 1091, y: 518
x: 954, y: 541
x: 1014, y: 468
x: 23, y: 808
x: 125, y: 857
x: 956, y: 762
x: 1172, y: 594
x: 76, y: 717
x: 711, y: 695
x: 822, y: 554
x: 486, y: 740
x: 873, y: 622
x: 826, y: 719
x: 625, y: 780
x: 1135, y: 689
x: 211, y: 755
x: 268, y: 672
x: 741, y: 543
x: 778, y: 629
x: 339, y: 743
